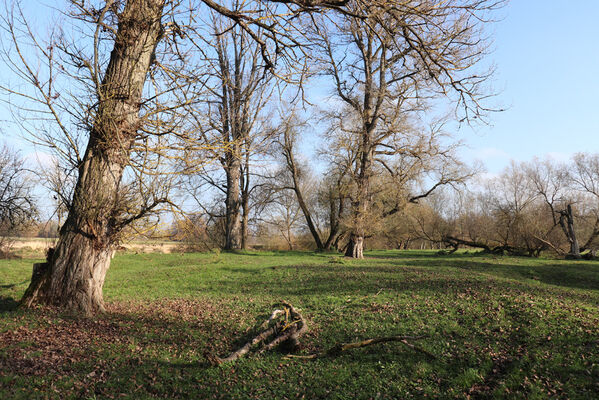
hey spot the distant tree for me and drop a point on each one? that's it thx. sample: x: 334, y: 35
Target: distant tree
x: 552, y: 183
x: 584, y: 174
x: 228, y: 119
x: 17, y: 202
x: 385, y: 68
x: 283, y: 215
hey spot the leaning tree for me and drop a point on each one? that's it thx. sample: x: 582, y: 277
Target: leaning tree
x: 89, y: 100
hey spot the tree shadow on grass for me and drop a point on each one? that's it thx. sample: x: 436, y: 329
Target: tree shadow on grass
x: 278, y: 253
x: 569, y: 275
x: 431, y: 254
x: 411, y: 276
x: 153, y: 354
x: 8, y: 304
x: 157, y: 349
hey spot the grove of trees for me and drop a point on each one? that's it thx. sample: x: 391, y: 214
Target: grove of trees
x: 531, y: 207
x: 198, y: 108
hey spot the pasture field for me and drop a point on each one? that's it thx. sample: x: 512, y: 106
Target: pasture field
x: 495, y: 327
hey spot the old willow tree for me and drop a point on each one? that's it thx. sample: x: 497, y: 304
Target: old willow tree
x: 74, y: 273
x: 386, y: 64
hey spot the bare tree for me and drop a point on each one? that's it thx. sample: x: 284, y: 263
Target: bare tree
x: 584, y: 174
x: 74, y: 274
x: 520, y: 212
x: 296, y: 173
x: 17, y: 203
x: 59, y: 180
x: 552, y: 184
x: 385, y: 66
x: 228, y: 117
x: 332, y: 198
x: 284, y: 215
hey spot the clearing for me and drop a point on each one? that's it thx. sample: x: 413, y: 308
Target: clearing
x: 498, y: 327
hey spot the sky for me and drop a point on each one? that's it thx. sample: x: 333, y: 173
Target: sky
x: 546, y: 54
x: 547, y: 59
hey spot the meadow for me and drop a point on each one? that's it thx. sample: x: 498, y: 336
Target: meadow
x: 493, y: 327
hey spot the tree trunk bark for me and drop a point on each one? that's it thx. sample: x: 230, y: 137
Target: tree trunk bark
x: 245, y: 199
x: 74, y: 274
x: 361, y: 203
x: 567, y: 223
x: 355, y: 246
x: 232, y: 202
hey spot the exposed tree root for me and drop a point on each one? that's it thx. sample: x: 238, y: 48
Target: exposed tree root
x: 286, y: 325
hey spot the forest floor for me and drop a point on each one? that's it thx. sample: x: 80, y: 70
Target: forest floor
x: 495, y: 327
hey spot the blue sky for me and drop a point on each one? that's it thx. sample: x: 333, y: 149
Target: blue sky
x: 547, y: 59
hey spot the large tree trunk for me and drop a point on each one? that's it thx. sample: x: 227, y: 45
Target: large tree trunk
x: 245, y: 201
x: 355, y: 246
x: 361, y: 202
x: 363, y: 170
x: 567, y: 223
x: 232, y: 203
x: 74, y: 274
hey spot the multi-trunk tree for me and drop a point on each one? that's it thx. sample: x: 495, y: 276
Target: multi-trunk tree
x: 385, y: 66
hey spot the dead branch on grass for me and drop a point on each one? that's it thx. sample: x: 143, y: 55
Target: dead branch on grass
x: 342, y: 347
x: 286, y: 325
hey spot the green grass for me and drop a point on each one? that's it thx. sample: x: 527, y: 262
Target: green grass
x: 500, y: 327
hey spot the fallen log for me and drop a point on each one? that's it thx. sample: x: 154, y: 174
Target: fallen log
x: 284, y: 326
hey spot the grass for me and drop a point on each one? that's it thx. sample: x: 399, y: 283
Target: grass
x: 500, y: 327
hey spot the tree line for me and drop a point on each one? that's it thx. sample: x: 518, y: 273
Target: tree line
x: 531, y: 207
